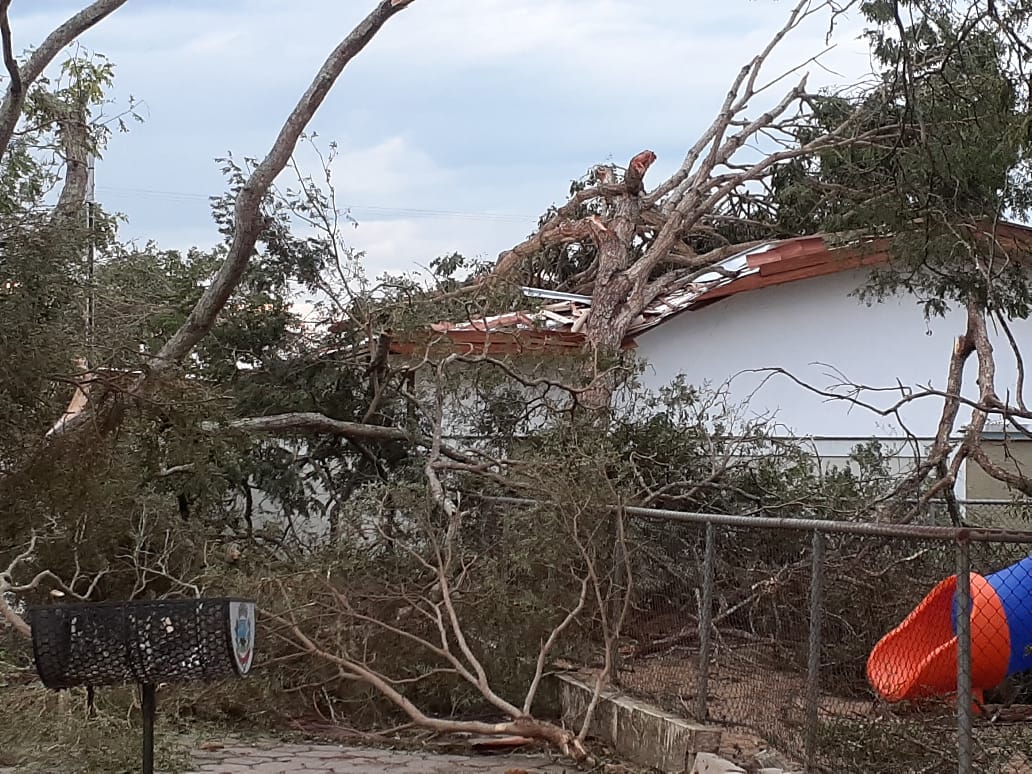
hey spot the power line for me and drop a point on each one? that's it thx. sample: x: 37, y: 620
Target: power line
x: 415, y: 212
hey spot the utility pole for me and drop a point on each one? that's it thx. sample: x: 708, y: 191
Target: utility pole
x: 91, y: 257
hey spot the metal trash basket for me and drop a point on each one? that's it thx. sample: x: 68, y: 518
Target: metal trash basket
x: 143, y: 641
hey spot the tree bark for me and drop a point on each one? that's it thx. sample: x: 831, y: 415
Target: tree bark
x: 74, y: 133
x: 308, y: 421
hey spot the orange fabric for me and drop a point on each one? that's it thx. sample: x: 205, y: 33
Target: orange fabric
x: 918, y: 659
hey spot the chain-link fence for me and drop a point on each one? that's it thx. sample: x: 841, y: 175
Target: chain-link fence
x: 991, y: 514
x: 843, y: 646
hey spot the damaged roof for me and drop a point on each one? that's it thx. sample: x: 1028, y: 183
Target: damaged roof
x: 557, y: 323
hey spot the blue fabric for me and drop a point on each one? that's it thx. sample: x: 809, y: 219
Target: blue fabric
x: 1014, y: 587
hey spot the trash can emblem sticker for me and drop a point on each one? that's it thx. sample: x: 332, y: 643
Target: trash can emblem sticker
x: 241, y: 630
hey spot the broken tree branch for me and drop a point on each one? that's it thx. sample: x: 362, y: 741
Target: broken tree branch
x: 635, y: 234
x: 248, y: 222
x: 313, y: 422
x: 520, y: 725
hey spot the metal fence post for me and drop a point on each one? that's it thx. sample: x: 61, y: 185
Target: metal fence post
x: 705, y: 623
x: 618, y: 596
x: 964, y: 698
x: 813, y: 664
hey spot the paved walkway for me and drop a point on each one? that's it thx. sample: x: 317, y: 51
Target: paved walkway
x: 279, y: 758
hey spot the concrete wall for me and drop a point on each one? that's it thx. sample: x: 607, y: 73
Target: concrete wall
x: 820, y: 334
x: 1013, y: 455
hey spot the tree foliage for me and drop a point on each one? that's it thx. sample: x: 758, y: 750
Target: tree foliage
x: 952, y: 88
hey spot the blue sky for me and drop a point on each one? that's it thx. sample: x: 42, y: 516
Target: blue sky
x: 456, y: 127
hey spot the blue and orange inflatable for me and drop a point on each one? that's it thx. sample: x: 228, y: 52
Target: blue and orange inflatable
x: 918, y: 659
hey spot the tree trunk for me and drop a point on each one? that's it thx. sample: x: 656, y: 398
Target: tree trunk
x: 615, y: 283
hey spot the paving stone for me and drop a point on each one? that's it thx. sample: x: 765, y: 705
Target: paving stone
x: 270, y: 767
x: 323, y: 752
x: 268, y: 757
x: 295, y: 748
x: 240, y: 750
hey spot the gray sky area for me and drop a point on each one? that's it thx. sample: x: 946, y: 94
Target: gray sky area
x: 456, y: 127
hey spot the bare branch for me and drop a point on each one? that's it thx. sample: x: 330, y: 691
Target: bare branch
x: 1019, y: 384
x: 553, y: 638
x: 736, y: 100
x: 520, y: 725
x: 308, y: 421
x: 312, y: 422
x: 9, y: 586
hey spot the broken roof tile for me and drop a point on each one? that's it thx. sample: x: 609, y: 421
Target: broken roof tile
x: 559, y: 322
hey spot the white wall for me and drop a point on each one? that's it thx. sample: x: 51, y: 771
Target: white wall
x: 801, y: 325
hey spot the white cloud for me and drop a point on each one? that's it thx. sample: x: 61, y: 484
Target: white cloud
x: 409, y: 244
x: 459, y: 106
x: 390, y: 170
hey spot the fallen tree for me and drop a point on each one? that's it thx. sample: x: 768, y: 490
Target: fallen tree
x: 632, y: 242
